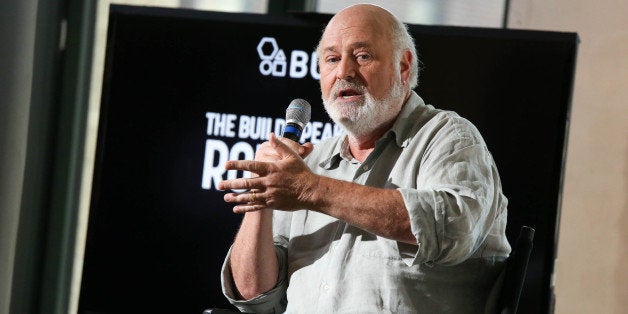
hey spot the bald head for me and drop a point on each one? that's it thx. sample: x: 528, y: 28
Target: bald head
x: 364, y: 15
x: 378, y: 21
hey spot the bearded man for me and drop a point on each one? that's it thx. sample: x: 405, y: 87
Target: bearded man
x: 404, y: 213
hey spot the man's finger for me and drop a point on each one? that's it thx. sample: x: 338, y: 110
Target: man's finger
x: 282, y: 148
x: 307, y: 149
x: 259, y: 167
x: 241, y: 209
x: 241, y: 184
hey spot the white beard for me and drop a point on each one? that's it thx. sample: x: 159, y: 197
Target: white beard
x: 360, y: 118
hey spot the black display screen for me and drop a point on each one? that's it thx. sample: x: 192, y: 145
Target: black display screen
x: 186, y: 90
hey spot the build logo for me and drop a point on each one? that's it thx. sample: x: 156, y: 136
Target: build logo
x: 274, y: 61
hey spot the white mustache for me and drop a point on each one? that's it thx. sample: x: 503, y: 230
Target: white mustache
x: 344, y: 84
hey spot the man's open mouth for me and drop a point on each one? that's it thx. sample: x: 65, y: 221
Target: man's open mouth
x: 348, y: 93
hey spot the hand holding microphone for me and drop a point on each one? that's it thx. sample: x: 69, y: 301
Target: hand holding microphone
x: 298, y: 115
x: 279, y: 175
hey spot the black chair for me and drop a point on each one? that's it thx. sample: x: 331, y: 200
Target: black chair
x: 513, y: 276
x: 515, y: 272
x: 221, y: 311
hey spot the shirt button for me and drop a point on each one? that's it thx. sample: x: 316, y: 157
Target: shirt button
x: 326, y: 287
x: 365, y: 167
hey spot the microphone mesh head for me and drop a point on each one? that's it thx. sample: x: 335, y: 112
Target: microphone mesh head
x: 299, y: 111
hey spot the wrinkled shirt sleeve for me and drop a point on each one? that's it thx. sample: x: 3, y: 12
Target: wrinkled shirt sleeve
x: 273, y: 301
x: 458, y: 198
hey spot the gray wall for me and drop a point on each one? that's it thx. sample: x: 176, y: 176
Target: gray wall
x: 17, y: 34
x: 42, y: 122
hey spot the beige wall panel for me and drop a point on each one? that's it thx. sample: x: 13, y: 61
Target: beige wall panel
x: 592, y: 265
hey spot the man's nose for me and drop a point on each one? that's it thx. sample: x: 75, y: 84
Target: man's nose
x: 346, y: 68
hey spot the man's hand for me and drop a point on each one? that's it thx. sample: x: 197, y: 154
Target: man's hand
x: 267, y: 151
x: 281, y: 179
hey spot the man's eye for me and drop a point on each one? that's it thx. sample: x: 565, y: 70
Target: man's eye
x: 332, y: 60
x: 363, y: 57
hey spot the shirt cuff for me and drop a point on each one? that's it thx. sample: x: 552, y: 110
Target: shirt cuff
x: 273, y: 301
x: 426, y: 224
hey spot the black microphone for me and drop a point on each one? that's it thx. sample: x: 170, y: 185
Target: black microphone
x: 298, y: 115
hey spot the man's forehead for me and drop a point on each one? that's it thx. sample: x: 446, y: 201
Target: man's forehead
x: 353, y: 35
x: 352, y: 45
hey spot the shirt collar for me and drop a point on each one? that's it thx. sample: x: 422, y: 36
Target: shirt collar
x: 410, y: 112
x: 336, y: 155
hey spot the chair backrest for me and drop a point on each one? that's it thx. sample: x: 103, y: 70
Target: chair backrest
x: 220, y: 311
x: 515, y: 273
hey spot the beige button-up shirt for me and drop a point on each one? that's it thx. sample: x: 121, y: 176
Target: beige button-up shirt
x: 451, y: 188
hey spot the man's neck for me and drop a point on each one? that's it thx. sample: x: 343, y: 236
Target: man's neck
x: 362, y: 146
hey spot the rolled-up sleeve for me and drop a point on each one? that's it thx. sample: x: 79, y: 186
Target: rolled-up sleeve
x: 273, y: 301
x: 457, y: 198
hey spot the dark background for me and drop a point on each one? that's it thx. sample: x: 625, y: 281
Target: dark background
x: 156, y: 240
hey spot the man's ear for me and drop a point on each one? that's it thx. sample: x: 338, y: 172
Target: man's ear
x: 405, y: 64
